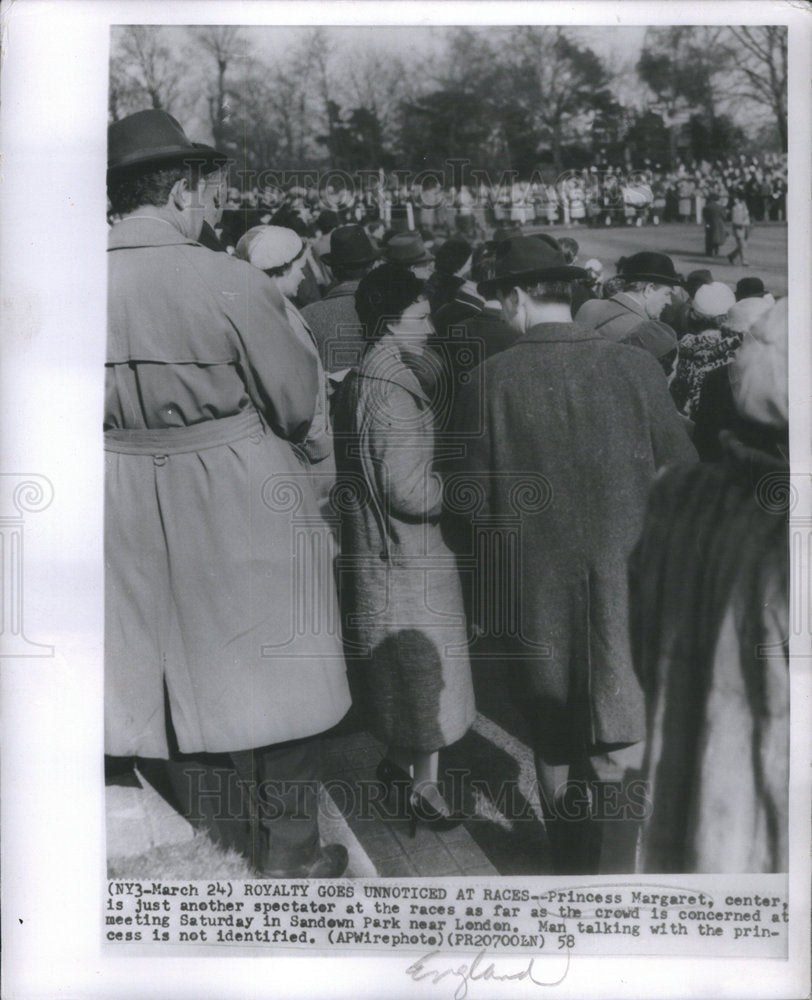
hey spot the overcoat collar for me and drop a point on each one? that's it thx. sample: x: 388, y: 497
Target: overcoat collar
x: 146, y: 231
x: 340, y: 290
x: 547, y: 333
x: 630, y: 303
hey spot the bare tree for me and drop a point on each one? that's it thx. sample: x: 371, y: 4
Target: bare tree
x: 553, y: 81
x: 143, y: 72
x: 226, y: 44
x: 760, y: 55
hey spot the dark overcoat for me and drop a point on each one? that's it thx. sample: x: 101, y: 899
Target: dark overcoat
x: 713, y: 217
x: 563, y: 432
x: 401, y: 598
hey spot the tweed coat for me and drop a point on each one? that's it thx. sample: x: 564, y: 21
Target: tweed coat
x: 401, y: 599
x: 206, y: 492
x: 336, y: 327
x: 564, y: 432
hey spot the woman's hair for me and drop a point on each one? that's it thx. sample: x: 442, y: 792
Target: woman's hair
x: 383, y: 294
x: 696, y: 322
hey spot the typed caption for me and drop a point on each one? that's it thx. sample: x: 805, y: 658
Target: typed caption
x: 744, y: 916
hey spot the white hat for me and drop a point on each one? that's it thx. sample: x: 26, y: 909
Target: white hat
x: 759, y: 369
x: 269, y: 247
x: 593, y: 264
x: 713, y: 299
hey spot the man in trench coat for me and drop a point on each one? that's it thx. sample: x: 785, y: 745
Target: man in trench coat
x: 209, y: 397
x: 564, y: 432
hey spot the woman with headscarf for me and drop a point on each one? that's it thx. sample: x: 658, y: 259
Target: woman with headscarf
x: 404, y: 622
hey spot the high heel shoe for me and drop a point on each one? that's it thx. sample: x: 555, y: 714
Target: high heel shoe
x: 422, y: 811
x: 397, y: 783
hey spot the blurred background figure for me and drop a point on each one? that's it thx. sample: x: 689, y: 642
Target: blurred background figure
x: 709, y: 612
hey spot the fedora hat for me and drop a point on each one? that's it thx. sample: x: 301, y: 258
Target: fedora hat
x: 649, y: 266
x: 350, y: 246
x: 524, y: 259
x: 155, y: 137
x: 407, y: 248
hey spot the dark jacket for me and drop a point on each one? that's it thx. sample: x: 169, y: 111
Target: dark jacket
x: 713, y: 217
x: 564, y: 433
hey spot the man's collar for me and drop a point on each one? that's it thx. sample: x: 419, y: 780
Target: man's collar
x: 146, y: 231
x: 341, y: 289
x: 557, y: 332
x: 630, y: 302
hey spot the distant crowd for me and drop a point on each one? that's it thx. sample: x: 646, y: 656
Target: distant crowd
x: 595, y: 195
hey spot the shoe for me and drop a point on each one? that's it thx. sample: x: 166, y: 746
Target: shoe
x: 331, y: 863
x: 422, y: 811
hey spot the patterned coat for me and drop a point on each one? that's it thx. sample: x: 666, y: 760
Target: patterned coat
x: 401, y: 601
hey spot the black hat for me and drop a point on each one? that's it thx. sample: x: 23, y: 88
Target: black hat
x: 155, y: 137
x: 452, y: 255
x: 407, y: 248
x: 385, y: 292
x: 750, y: 288
x: 524, y: 259
x: 350, y: 246
x: 696, y: 279
x: 649, y: 266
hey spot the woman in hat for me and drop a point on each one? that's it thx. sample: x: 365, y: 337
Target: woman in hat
x: 706, y: 346
x: 404, y: 622
x: 281, y: 254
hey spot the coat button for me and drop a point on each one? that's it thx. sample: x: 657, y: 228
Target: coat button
x: 159, y: 459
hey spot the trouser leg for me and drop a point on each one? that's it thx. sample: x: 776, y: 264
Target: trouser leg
x: 210, y: 796
x: 283, y: 784
x: 565, y: 803
x: 618, y: 805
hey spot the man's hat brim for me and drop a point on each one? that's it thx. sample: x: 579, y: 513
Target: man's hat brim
x: 424, y: 258
x: 330, y: 260
x: 655, y: 279
x: 201, y: 155
x: 557, y: 272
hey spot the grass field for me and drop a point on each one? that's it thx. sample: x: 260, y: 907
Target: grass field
x: 685, y: 244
